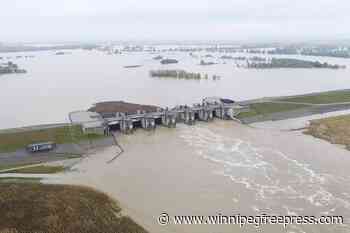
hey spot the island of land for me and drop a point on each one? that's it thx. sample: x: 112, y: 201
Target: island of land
x: 290, y: 63
x: 10, y: 68
x: 10, y: 48
x: 168, y: 61
x: 319, y: 51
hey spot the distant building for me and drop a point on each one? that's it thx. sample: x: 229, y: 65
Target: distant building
x: 91, y: 122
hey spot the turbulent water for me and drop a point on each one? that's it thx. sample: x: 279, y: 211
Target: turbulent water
x: 222, y: 167
x: 281, y: 184
x: 56, y: 85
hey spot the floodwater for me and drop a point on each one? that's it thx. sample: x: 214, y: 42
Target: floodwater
x: 206, y: 169
x: 56, y: 85
x: 222, y: 167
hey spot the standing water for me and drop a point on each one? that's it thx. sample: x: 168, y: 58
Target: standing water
x: 56, y: 85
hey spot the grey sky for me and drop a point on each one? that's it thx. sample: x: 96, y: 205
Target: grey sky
x: 40, y: 20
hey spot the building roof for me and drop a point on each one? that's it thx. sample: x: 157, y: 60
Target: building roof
x: 122, y: 107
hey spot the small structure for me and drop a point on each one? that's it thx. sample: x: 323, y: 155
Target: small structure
x: 169, y: 119
x: 188, y: 116
x: 205, y: 114
x: 118, y: 115
x: 148, y: 123
x: 91, y: 122
x: 40, y: 147
x: 126, y: 125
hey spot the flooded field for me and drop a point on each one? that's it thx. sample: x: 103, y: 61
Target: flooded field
x: 56, y: 85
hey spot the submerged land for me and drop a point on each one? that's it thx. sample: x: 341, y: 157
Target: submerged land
x: 181, y: 74
x: 30, y: 205
x: 291, y: 63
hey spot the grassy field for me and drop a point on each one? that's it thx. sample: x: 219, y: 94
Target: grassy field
x: 18, y: 180
x: 268, y: 108
x: 333, y: 129
x: 10, y: 166
x: 67, y: 134
x: 41, y: 169
x: 321, y: 98
x: 30, y: 207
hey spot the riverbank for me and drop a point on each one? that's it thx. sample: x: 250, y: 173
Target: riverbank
x: 60, y: 208
x: 288, y: 107
x: 335, y: 130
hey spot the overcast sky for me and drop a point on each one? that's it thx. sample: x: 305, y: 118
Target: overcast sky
x: 235, y: 20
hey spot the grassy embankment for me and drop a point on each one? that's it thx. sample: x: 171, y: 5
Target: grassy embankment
x: 333, y: 129
x: 40, y: 169
x: 11, y: 141
x: 258, y: 109
x: 32, y: 207
x: 266, y: 108
x: 18, y: 180
x: 321, y: 98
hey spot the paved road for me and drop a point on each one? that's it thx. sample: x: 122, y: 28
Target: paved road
x: 63, y: 151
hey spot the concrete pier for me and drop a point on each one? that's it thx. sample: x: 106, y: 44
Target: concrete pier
x: 169, y: 119
x: 148, y: 123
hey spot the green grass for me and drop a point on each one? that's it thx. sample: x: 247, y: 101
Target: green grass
x: 30, y: 207
x: 41, y: 169
x: 333, y: 129
x: 19, y: 180
x: 66, y: 134
x: 266, y: 108
x: 321, y: 98
x: 10, y: 166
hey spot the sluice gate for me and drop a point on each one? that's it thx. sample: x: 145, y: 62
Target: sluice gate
x: 170, y: 117
x: 206, y: 111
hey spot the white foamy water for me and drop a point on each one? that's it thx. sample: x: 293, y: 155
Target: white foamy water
x: 280, y: 184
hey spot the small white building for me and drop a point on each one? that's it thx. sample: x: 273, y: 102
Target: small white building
x: 91, y: 122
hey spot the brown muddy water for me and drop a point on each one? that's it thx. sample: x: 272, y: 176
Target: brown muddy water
x: 222, y: 167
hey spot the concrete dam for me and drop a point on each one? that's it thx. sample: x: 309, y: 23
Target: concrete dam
x: 125, y: 117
